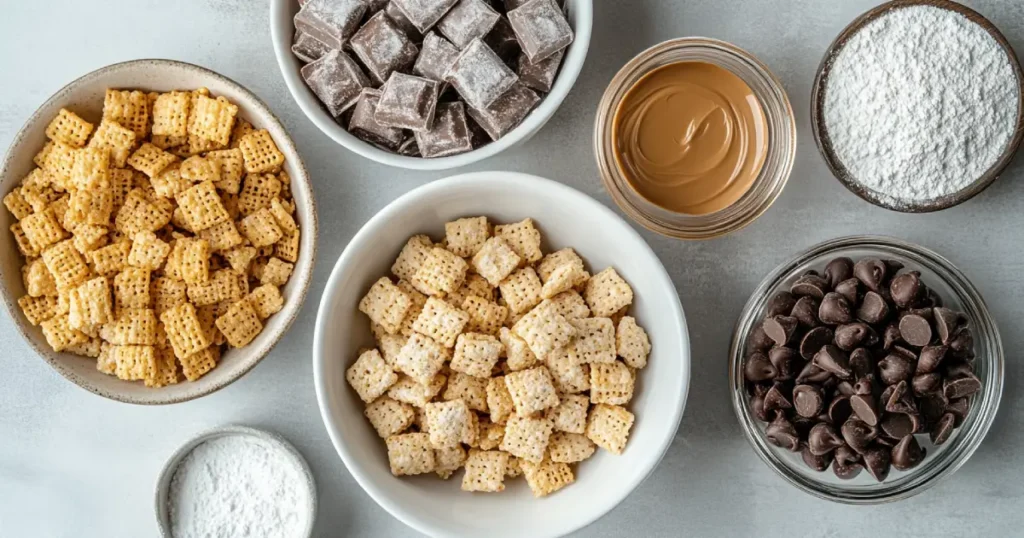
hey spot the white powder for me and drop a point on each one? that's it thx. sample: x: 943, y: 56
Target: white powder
x: 238, y: 486
x: 920, y: 103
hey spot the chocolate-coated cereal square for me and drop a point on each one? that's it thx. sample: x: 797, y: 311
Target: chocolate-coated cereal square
x: 363, y: 123
x: 383, y: 47
x: 407, y: 102
x: 541, y: 75
x: 541, y: 28
x: 479, y: 75
x: 423, y: 14
x: 449, y: 134
x: 336, y: 79
x: 436, y: 56
x: 331, y: 22
x: 506, y: 112
x: 467, y: 20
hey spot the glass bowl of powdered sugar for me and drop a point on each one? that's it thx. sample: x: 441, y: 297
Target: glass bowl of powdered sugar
x: 917, y: 105
x: 236, y: 481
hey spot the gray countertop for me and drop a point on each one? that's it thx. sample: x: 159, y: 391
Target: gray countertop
x: 74, y: 464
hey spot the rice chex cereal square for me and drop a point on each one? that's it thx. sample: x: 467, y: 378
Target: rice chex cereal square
x: 499, y: 401
x: 531, y: 390
x: 476, y: 354
x: 523, y: 237
x: 595, y: 340
x: 442, y: 272
x: 421, y: 358
x: 389, y: 417
x: 370, y: 376
x: 544, y: 330
x: 466, y: 236
x: 410, y: 454
x: 570, y: 447
x: 448, y: 422
x: 608, y: 426
x: 527, y: 437
x: 414, y: 253
x: 386, y: 304
x: 495, y: 260
x: 632, y: 343
x: 521, y: 290
x: 485, y: 471
x: 607, y: 293
x: 440, y: 321
x: 473, y: 390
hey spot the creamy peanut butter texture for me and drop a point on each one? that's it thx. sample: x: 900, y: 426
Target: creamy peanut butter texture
x: 690, y: 137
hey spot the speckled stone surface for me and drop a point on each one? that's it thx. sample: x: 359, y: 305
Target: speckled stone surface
x: 74, y: 464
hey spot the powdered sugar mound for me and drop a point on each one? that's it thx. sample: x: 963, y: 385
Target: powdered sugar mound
x: 238, y: 485
x: 920, y: 103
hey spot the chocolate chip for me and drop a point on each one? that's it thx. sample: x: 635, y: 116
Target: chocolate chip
x: 852, y: 335
x: 873, y: 308
x: 775, y: 399
x: 846, y: 472
x: 943, y: 429
x: 893, y: 266
x: 915, y: 330
x: 813, y: 374
x: 955, y: 369
x: 946, y: 323
x: 861, y: 362
x: 864, y: 408
x: 858, y: 434
x: 932, y: 407
x: 963, y: 342
x: 782, y: 433
x: 786, y: 362
x: 932, y: 299
x: 780, y: 329
x: 780, y: 304
x: 870, y: 272
x: 906, y: 289
x: 961, y: 387
x: 834, y: 309
x: 893, y: 394
x: 926, y: 313
x: 758, y: 368
x: 904, y: 404
x: 844, y: 388
x: 894, y: 368
x: 864, y: 385
x: 891, y: 336
x: 757, y: 406
x: 806, y: 311
x: 808, y: 400
x: 823, y: 439
x: 925, y: 383
x: 930, y: 358
x: 907, y: 454
x: 814, y: 340
x: 877, y: 461
x: 897, y: 425
x: 849, y: 288
x: 810, y: 284
x: 838, y: 270
x: 839, y: 410
x: 847, y: 456
x: 904, y: 352
x: 818, y: 463
x: 959, y: 408
x: 832, y: 359
x: 759, y: 340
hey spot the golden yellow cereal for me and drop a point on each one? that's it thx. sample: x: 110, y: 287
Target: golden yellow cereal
x: 184, y: 330
x: 150, y: 160
x: 213, y: 119
x: 60, y: 335
x: 202, y: 207
x: 116, y: 139
x: 240, y: 324
x: 260, y: 228
x: 230, y: 168
x: 260, y: 152
x: 66, y: 265
x: 69, y: 128
x: 128, y: 108
x: 170, y: 114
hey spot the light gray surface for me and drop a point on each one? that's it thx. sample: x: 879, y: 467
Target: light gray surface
x: 73, y: 464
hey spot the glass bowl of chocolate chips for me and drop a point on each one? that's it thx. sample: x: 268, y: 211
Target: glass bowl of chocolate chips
x: 866, y: 369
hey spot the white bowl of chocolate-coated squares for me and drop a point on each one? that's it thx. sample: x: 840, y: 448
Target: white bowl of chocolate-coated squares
x: 579, y: 14
x: 565, y: 218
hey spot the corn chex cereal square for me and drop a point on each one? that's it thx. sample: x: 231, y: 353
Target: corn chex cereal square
x: 37, y: 279
x: 150, y: 160
x: 386, y: 304
x: 128, y: 108
x: 240, y: 258
x: 414, y: 253
x: 564, y: 278
x: 607, y: 293
x: 169, y: 182
x: 476, y: 354
x: 241, y: 130
x: 166, y: 293
x: 230, y: 167
x: 59, y: 333
x: 611, y: 383
x: 521, y: 290
x: 570, y: 447
x: 134, y: 362
x: 221, y: 286
x: 448, y: 423
x: 557, y: 259
x: 138, y: 214
x: 548, y: 477
x: 414, y: 393
x: 449, y: 460
x: 595, y: 340
x: 370, y: 376
x: 214, y: 119
x: 69, y: 128
x: 184, y: 331
x: 489, y: 435
x: 66, y: 265
x: 192, y: 259
x: 92, y: 207
x: 148, y: 251
x: 440, y: 321
x: 266, y: 300
x: 131, y: 327
x: 257, y: 192
x: 531, y: 390
x: 115, y: 139
x: 122, y: 181
x: 466, y: 236
x: 517, y: 352
x: 283, y: 217
x: 89, y: 237
x: 260, y: 153
x: 17, y: 205
x: 276, y: 272
x: 167, y: 371
x: 608, y: 426
x: 389, y: 417
x: 91, y: 169
x: 473, y: 390
x: 170, y: 113
x: 202, y: 207
x: 287, y: 248
x: 131, y: 288
x: 40, y: 157
x: 90, y: 348
x: 42, y: 229
x: 421, y: 358
x: 495, y: 260
x: 442, y: 272
x: 198, y: 169
x: 484, y: 316
x: 240, y: 324
x: 631, y: 343
x: 200, y: 362
x: 570, y: 376
x: 38, y: 309
x: 571, y: 413
x: 112, y: 258
x: 499, y: 401
x: 527, y: 437
x: 260, y: 228
x: 59, y: 162
x: 89, y: 305
x: 485, y: 471
x: 544, y: 330
x: 24, y: 245
x: 410, y: 454
x: 523, y: 237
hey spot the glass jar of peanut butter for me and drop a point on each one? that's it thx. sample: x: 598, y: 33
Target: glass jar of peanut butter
x: 695, y: 138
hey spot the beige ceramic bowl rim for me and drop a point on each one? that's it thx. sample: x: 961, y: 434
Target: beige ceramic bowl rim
x: 572, y: 65
x: 163, y: 482
x: 304, y: 279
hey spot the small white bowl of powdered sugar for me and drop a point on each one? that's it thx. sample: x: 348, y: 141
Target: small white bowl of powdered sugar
x: 236, y: 481
x: 917, y: 105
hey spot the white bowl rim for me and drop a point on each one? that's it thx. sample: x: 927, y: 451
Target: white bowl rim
x: 517, y: 180
x: 572, y: 65
x: 163, y: 481
x: 305, y: 280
